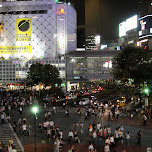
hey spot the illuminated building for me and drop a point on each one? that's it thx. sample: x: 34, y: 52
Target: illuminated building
x: 128, y: 32
x: 34, y: 32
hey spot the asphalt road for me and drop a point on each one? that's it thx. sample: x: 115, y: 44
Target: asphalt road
x: 66, y: 124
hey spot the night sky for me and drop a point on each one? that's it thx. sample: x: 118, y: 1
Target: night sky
x: 116, y: 11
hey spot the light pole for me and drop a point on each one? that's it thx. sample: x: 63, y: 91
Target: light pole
x: 35, y: 110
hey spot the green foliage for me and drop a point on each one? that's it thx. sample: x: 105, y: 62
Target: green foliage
x: 133, y: 63
x: 44, y: 73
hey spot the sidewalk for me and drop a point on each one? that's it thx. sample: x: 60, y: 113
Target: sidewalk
x: 81, y: 148
x: 133, y: 122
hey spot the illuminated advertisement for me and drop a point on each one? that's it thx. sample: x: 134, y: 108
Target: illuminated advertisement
x: 60, y: 34
x: 15, y: 49
x: 97, y: 41
x: 1, y: 31
x: 131, y: 23
x: 122, y: 29
x: 61, y: 10
x: 145, y: 26
x: 23, y: 29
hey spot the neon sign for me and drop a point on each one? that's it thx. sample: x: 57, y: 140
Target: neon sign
x: 61, y: 10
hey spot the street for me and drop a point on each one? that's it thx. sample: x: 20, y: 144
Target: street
x: 65, y: 124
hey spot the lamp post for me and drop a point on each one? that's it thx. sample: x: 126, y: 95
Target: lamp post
x: 35, y: 110
x: 146, y: 91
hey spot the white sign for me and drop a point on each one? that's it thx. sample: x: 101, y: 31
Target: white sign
x: 131, y: 23
x: 97, y: 41
x: 61, y: 34
x: 122, y: 29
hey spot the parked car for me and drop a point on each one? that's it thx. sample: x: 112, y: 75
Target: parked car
x: 84, y: 101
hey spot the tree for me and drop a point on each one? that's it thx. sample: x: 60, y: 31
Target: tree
x: 133, y: 63
x: 44, y: 73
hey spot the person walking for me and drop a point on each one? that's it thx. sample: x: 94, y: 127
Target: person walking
x: 67, y: 113
x: 105, y: 132
x: 94, y: 135
x: 81, y: 128
x: 70, y: 136
x: 127, y: 137
x: 106, y: 148
x: 90, y: 129
x: 112, y: 143
x: 49, y: 134
x: 145, y: 119
x: 10, y: 148
x: 90, y: 148
x: 139, y: 135
x: 109, y: 130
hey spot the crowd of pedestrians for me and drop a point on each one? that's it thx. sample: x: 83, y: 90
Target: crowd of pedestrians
x: 9, y: 106
x: 54, y: 133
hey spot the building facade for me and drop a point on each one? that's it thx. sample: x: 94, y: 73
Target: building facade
x: 89, y: 65
x: 34, y: 32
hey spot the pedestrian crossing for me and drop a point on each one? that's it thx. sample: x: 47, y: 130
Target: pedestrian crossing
x: 6, y: 132
x: 62, y: 110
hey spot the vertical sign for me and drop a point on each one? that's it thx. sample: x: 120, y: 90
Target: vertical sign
x: 61, y: 42
x: 23, y: 29
x: 61, y: 34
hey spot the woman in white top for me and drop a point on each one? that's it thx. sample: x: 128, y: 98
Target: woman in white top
x: 10, y: 148
x: 90, y: 148
x: 121, y: 136
x: 106, y: 148
x: 128, y: 137
x: 94, y: 135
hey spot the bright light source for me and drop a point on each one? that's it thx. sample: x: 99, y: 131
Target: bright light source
x: 146, y: 91
x: 69, y: 4
x: 35, y: 110
x: 0, y: 5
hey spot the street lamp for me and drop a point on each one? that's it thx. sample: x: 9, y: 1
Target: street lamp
x: 35, y: 111
x: 146, y: 91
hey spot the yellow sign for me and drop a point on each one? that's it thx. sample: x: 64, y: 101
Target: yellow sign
x: 15, y: 49
x: 23, y: 29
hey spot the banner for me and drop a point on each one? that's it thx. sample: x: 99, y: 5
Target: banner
x: 23, y: 29
x: 1, y: 31
x: 15, y: 49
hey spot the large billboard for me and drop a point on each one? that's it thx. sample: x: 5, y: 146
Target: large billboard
x: 145, y: 27
x: 122, y: 29
x: 23, y: 29
x: 131, y: 23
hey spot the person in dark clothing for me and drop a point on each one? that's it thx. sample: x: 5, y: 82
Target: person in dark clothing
x: 139, y: 135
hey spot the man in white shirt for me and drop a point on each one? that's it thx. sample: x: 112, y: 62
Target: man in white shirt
x: 70, y: 136
x: 51, y: 123
x: 98, y: 126
x: 24, y: 129
x: 14, y: 150
x: 112, y: 143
